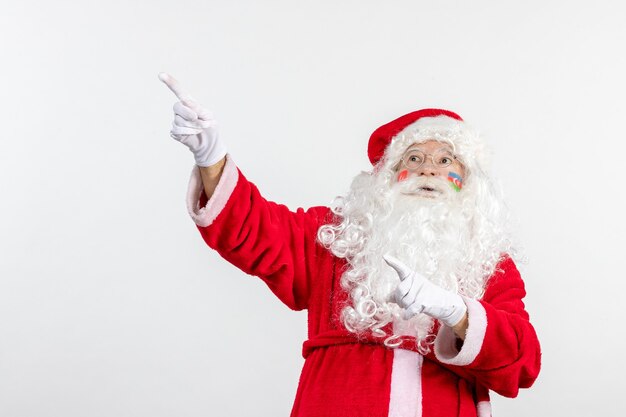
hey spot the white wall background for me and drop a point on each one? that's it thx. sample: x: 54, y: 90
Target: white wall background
x: 111, y: 305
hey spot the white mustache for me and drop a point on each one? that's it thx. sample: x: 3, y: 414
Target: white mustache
x: 416, y: 184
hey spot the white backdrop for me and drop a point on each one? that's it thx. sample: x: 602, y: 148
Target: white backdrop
x: 111, y: 304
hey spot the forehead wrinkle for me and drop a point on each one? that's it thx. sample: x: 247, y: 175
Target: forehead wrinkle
x: 444, y: 146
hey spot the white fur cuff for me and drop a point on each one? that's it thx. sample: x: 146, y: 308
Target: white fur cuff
x: 483, y: 409
x: 445, y: 342
x: 204, y: 216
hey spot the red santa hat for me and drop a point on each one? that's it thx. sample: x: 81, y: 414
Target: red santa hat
x: 393, y: 138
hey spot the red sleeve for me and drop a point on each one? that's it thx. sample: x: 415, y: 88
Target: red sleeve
x: 259, y: 237
x: 501, y: 350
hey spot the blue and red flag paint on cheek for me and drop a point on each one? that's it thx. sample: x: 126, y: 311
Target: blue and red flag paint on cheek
x: 456, y: 181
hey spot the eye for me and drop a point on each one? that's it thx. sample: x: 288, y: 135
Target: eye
x: 444, y: 158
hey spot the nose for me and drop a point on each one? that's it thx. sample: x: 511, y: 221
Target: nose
x: 427, y: 169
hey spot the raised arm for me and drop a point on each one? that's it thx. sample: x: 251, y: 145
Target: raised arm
x: 259, y: 237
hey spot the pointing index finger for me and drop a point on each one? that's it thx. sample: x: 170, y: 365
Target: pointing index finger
x: 402, y: 270
x: 174, y: 85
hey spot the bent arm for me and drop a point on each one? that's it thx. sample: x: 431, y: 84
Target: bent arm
x: 501, y: 350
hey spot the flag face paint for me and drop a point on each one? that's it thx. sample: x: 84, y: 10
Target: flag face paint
x: 455, y: 180
x: 403, y: 175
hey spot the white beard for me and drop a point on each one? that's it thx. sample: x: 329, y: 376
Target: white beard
x: 433, y: 236
x: 427, y: 235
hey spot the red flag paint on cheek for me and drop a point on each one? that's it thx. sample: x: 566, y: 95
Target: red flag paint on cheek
x: 403, y: 175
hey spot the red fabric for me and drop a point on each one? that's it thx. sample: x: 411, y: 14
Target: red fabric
x: 382, y: 136
x: 343, y: 376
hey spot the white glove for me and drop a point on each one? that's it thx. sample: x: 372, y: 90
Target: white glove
x: 416, y: 295
x: 194, y: 126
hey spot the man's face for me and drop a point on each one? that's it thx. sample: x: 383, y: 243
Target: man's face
x: 434, y: 163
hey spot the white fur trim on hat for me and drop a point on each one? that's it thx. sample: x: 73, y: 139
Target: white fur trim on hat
x: 466, y: 142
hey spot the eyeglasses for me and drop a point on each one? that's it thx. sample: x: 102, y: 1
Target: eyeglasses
x: 414, y: 158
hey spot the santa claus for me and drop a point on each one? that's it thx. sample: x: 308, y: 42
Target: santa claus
x: 414, y: 301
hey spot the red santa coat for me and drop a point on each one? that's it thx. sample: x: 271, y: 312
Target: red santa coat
x: 349, y: 377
